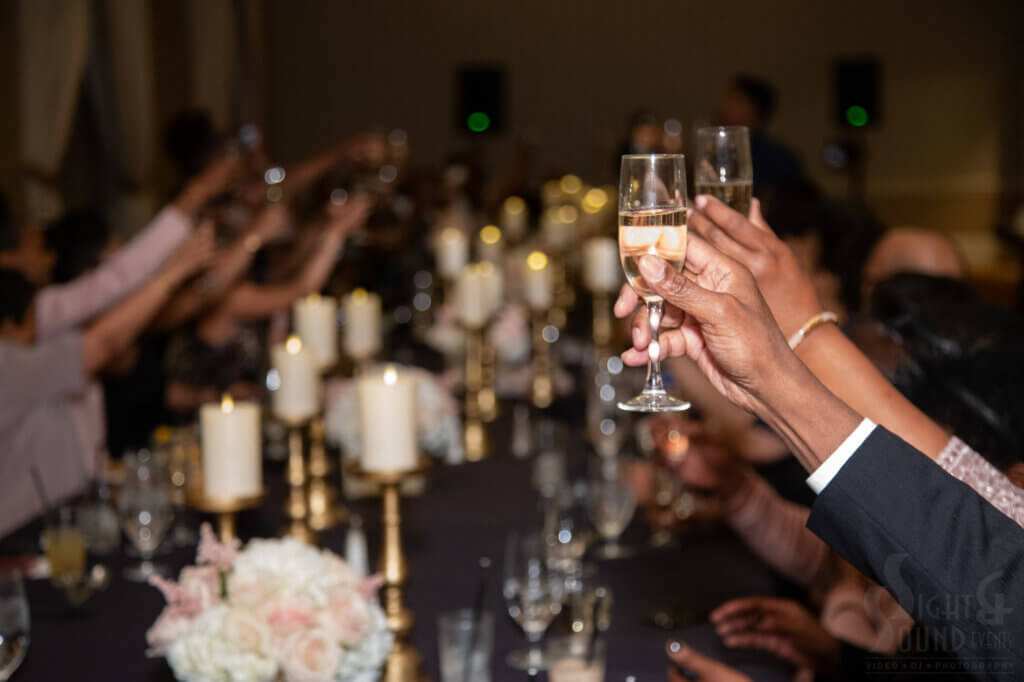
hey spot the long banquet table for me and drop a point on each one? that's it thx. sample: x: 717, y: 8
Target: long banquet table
x: 464, y: 514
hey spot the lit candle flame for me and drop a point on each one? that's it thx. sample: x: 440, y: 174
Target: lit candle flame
x: 451, y: 234
x: 594, y: 200
x: 293, y: 345
x: 537, y: 260
x: 227, y: 403
x: 571, y: 184
x: 313, y: 298
x: 390, y: 376
x: 490, y: 234
x: 360, y: 296
x: 485, y: 269
x: 567, y: 214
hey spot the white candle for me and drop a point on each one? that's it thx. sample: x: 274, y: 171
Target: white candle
x: 537, y: 281
x: 362, y: 324
x: 387, y: 420
x: 452, y: 252
x: 558, y: 226
x: 232, y: 458
x: 316, y: 323
x: 602, y: 272
x: 297, y: 396
x: 551, y: 193
x: 514, y: 218
x: 494, y: 287
x: 489, y: 244
x: 471, y: 297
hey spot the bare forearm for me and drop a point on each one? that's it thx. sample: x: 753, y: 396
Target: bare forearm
x: 852, y: 377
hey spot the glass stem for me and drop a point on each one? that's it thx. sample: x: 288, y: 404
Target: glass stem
x: 653, y: 383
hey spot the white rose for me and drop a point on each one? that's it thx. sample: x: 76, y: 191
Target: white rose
x: 310, y: 656
x: 206, y: 655
x: 248, y: 632
x: 363, y: 662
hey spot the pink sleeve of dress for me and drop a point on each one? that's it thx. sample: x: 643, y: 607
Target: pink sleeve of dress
x: 65, y: 306
x: 775, y: 530
x: 959, y: 460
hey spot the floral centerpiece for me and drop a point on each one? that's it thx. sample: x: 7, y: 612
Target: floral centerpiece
x: 277, y: 609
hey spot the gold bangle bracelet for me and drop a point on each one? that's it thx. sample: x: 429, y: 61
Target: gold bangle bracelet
x: 810, y: 325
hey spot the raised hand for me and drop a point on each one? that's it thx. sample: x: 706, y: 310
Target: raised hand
x: 194, y: 254
x: 780, y: 626
x: 345, y: 218
x: 751, y: 242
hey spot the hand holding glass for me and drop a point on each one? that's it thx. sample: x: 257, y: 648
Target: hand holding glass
x: 724, y: 169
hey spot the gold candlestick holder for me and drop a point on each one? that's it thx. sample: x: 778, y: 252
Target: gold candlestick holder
x: 322, y: 505
x: 225, y: 509
x: 404, y: 661
x: 475, y: 434
x: 602, y: 325
x: 296, y: 507
x: 487, y: 399
x: 542, y: 391
x: 562, y: 295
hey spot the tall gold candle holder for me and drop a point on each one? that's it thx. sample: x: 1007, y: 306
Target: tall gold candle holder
x: 542, y: 389
x: 476, y: 445
x: 404, y: 661
x: 323, y: 508
x: 225, y: 510
x: 296, y: 474
x: 602, y: 325
x: 487, y: 399
x: 563, y: 296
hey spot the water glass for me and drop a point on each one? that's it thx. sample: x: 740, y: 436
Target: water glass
x: 566, y: 530
x: 145, y: 509
x: 64, y: 545
x: 457, y: 632
x: 533, y: 595
x: 14, y: 623
x: 570, y: 661
x: 612, y: 504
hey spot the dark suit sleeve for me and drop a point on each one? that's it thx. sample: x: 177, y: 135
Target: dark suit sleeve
x: 953, y: 561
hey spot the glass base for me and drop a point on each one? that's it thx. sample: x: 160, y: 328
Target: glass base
x: 526, y: 659
x: 654, y: 402
x: 613, y: 550
x: 142, y: 572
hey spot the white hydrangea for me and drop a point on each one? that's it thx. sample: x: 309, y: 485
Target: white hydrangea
x: 206, y: 654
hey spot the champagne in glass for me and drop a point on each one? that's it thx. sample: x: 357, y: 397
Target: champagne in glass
x: 724, y: 169
x: 652, y: 221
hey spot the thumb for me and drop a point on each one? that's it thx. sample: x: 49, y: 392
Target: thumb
x: 697, y: 666
x: 676, y: 288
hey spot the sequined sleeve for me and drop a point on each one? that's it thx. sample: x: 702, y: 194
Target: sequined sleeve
x: 959, y: 460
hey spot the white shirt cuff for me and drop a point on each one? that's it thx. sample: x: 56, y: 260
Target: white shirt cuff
x: 824, y: 474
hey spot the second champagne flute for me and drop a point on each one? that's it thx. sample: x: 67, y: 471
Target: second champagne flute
x: 724, y: 169
x: 652, y: 221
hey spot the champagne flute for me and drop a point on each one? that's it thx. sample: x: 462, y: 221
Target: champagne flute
x: 533, y: 595
x: 612, y: 504
x: 652, y: 220
x: 145, y: 510
x: 724, y: 169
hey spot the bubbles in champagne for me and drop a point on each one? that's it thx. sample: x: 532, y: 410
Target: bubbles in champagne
x: 659, y: 232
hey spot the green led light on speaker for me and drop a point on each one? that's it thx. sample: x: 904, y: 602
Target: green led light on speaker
x: 857, y: 116
x: 478, y: 121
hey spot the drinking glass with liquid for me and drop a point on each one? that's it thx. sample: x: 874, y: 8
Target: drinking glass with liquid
x: 14, y: 623
x: 724, y: 169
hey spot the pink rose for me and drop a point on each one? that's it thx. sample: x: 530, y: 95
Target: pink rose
x: 310, y: 656
x: 346, y: 617
x: 248, y: 632
x: 286, y: 615
x: 171, y: 625
x: 201, y: 586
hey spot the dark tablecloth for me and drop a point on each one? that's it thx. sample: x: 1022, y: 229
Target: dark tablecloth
x: 465, y: 513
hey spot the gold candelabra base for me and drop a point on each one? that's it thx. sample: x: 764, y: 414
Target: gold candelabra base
x: 296, y: 507
x: 322, y: 505
x: 475, y: 435
x: 403, y: 663
x: 542, y: 391
x: 602, y: 325
x: 225, y: 509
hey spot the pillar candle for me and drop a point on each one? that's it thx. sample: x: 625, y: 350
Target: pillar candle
x: 489, y: 244
x: 316, y: 323
x: 493, y: 280
x: 514, y: 218
x: 232, y: 459
x: 471, y: 297
x: 452, y: 252
x: 602, y: 272
x: 297, y: 396
x: 362, y: 324
x: 537, y: 281
x: 558, y: 226
x: 387, y: 420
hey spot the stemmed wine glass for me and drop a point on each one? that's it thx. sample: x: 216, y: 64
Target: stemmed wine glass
x: 145, y: 509
x: 14, y: 623
x: 533, y: 594
x: 652, y: 220
x: 724, y: 169
x: 612, y: 504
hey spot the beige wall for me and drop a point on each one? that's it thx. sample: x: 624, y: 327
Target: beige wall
x: 578, y: 67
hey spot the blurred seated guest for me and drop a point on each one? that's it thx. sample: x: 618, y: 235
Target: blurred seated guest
x: 44, y: 417
x: 643, y: 136
x: 223, y: 351
x: 752, y: 102
x: 911, y: 249
x: 22, y: 248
